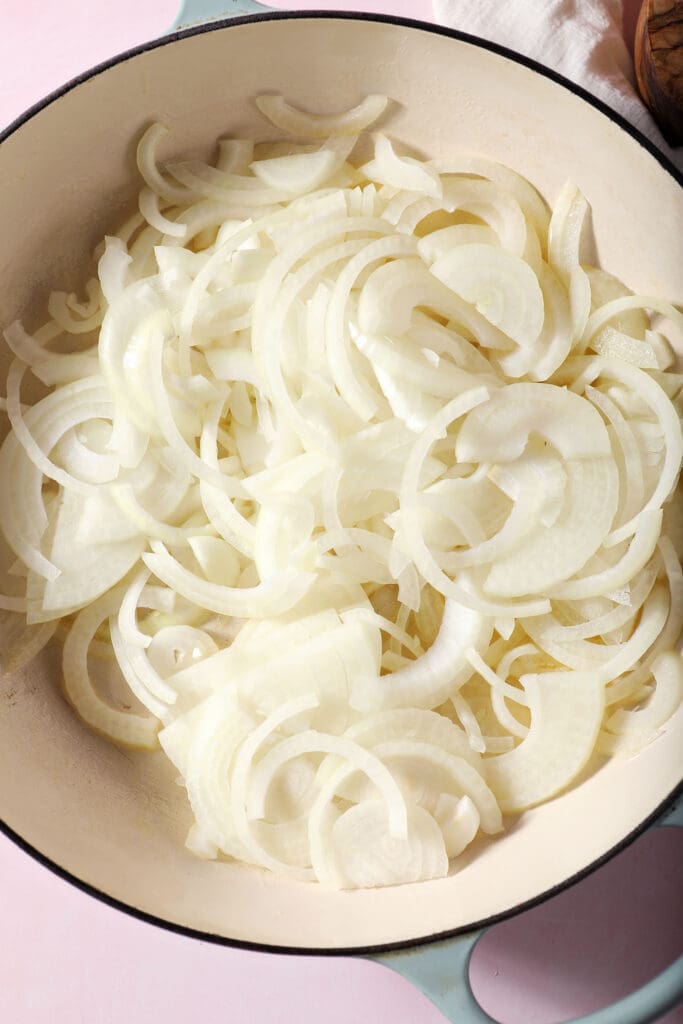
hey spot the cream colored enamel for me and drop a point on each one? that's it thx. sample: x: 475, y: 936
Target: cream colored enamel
x: 116, y: 819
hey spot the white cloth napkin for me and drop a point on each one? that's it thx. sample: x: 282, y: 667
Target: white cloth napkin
x: 582, y: 39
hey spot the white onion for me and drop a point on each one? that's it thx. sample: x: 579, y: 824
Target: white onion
x: 317, y: 126
x: 371, y: 482
x: 558, y: 744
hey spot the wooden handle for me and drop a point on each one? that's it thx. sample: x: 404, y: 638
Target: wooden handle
x: 659, y: 64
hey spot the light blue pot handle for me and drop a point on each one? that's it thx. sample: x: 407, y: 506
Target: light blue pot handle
x: 441, y: 971
x: 199, y: 12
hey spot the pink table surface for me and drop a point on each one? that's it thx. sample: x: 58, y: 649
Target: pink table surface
x: 68, y: 959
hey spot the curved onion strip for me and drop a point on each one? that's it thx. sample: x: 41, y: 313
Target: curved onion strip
x: 554, y: 553
x: 318, y: 126
x: 624, y: 656
x: 272, y: 597
x: 311, y: 742
x: 299, y: 173
x: 411, y: 534
x: 202, y: 744
x: 60, y: 309
x: 403, y: 638
x: 431, y: 678
x: 321, y: 818
x: 239, y: 783
x: 524, y: 518
x: 83, y: 462
x: 509, y: 182
x: 127, y: 623
x: 219, y: 186
x: 23, y: 517
x: 637, y: 555
x: 113, y: 268
x: 502, y: 690
x: 146, y: 523
x: 133, y: 664
x: 29, y: 443
x: 632, y: 475
x: 148, y: 202
x: 458, y: 819
x: 401, y: 171
x: 336, y: 344
x: 469, y: 722
x: 465, y: 778
x: 564, y: 241
x: 147, y: 165
x: 566, y: 713
x: 629, y: 302
x: 647, y: 389
x: 670, y: 635
x: 619, y: 616
x: 267, y: 320
x: 172, y: 434
x: 411, y: 724
x: 226, y: 520
x: 541, y: 359
x: 644, y: 722
x: 120, y: 726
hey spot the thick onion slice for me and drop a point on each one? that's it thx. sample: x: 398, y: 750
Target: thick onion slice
x: 503, y: 288
x: 318, y: 126
x: 367, y: 857
x: 566, y: 713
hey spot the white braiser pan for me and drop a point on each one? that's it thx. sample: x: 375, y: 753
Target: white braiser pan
x: 114, y: 822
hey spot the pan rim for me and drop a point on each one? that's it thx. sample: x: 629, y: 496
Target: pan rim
x: 666, y: 804
x: 363, y: 951
x: 413, y: 23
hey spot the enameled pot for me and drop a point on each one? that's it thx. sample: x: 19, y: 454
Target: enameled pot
x: 114, y: 822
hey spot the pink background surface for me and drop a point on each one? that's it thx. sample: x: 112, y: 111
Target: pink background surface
x: 68, y: 958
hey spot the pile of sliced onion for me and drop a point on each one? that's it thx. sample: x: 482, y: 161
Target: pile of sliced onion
x: 350, y: 491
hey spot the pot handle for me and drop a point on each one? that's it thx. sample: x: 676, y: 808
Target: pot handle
x: 441, y: 971
x: 198, y: 12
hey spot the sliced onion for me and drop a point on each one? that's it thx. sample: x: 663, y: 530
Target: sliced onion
x: 120, y: 726
x: 369, y: 856
x: 401, y: 171
x: 644, y: 722
x: 503, y: 288
x: 564, y: 243
x: 334, y: 435
x: 431, y: 679
x: 458, y: 820
x: 566, y: 712
x: 317, y: 126
x: 274, y: 596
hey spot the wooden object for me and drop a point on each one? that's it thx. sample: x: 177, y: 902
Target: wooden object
x: 659, y: 64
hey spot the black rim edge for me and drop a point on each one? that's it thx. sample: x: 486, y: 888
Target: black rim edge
x: 667, y: 803
x: 332, y: 951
